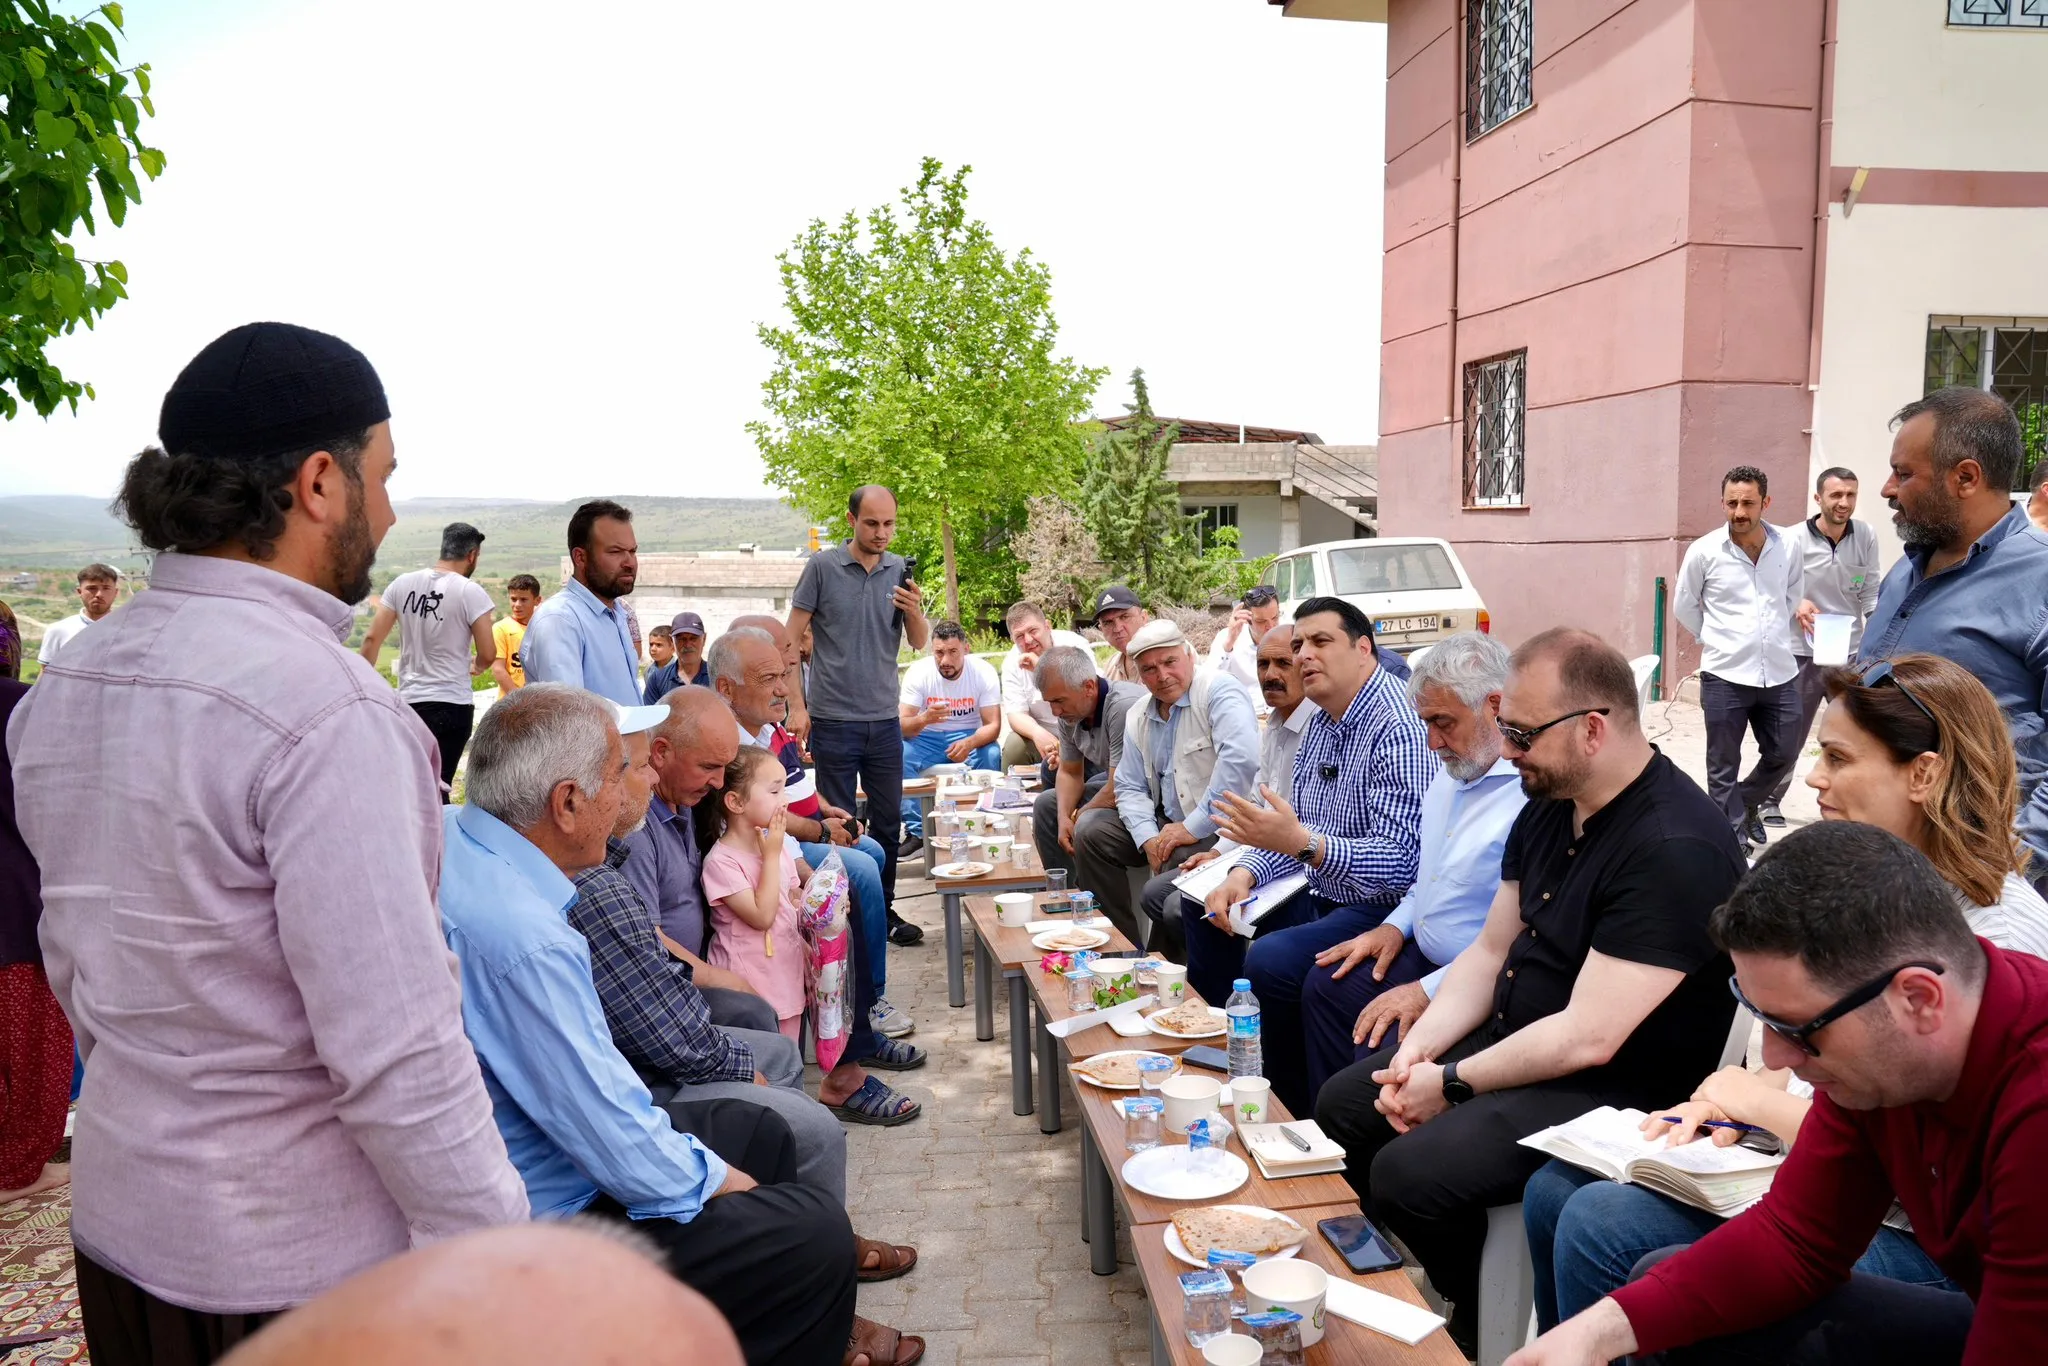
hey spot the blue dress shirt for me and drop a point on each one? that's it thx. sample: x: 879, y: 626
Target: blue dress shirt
x: 665, y: 866
x: 1988, y: 613
x: 1234, y: 733
x: 574, y: 638
x: 575, y: 1118
x: 1464, y: 826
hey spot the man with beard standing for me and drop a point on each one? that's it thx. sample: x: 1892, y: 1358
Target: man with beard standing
x: 1973, y: 583
x: 581, y: 635
x: 279, y: 1093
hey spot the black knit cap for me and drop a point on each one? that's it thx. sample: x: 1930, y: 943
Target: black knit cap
x: 268, y: 388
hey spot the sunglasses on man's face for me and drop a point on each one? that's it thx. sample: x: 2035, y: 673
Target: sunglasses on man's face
x: 1526, y: 739
x: 1801, y: 1036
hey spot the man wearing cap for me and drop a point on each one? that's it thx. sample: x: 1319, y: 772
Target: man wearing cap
x: 1118, y: 615
x: 1196, y: 739
x: 685, y: 666
x: 279, y: 1093
x: 442, y: 616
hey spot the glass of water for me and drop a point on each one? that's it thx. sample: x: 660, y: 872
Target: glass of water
x: 1152, y: 1074
x: 1055, y: 890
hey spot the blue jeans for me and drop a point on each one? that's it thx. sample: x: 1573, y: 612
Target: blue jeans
x: 1586, y: 1234
x: 864, y: 756
x: 870, y: 918
x: 925, y: 749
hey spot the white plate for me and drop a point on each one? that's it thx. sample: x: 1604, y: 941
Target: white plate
x: 1096, y: 939
x: 1180, y: 1249
x: 955, y: 871
x: 1131, y: 1027
x: 1119, y: 1053
x: 1220, y: 1029
x: 1169, y: 1173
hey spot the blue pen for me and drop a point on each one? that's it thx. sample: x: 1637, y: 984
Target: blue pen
x: 1718, y: 1124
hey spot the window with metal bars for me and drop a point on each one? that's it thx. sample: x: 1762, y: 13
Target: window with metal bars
x: 2008, y: 356
x: 1215, y: 516
x: 1496, y: 405
x: 1499, y: 40
x: 1998, y: 14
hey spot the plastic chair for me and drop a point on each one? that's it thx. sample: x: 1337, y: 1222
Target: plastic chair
x: 1645, y: 667
x: 1507, y: 1280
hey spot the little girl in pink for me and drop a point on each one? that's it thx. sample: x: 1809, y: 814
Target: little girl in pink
x: 754, y: 881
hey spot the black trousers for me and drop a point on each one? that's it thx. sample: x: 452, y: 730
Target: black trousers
x: 1433, y: 1185
x: 125, y: 1325
x: 1811, y: 694
x: 1045, y: 825
x: 1732, y: 708
x: 1868, y: 1322
x: 778, y: 1260
x: 451, y: 723
x: 865, y: 756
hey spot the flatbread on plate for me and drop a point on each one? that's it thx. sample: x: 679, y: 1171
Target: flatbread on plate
x: 1234, y: 1231
x: 1190, y: 1018
x: 1119, y: 1069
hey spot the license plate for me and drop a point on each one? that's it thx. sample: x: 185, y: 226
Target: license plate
x: 1401, y: 625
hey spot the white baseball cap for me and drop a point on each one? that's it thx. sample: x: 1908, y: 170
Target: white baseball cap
x: 633, y: 720
x: 1154, y: 635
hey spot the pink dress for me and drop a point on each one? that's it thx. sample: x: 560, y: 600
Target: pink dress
x: 772, y: 962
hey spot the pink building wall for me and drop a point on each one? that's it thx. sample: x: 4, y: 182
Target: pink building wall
x: 1646, y: 231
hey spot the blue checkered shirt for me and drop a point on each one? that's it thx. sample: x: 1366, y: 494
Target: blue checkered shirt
x: 1369, y: 811
x: 658, y: 1018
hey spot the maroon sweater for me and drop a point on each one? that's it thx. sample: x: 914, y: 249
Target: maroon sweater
x: 1971, y: 1171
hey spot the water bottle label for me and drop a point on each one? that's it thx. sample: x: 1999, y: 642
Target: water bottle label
x: 1244, y: 1026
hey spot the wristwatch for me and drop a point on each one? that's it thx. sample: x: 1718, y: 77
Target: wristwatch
x: 1308, y: 851
x: 1455, y: 1091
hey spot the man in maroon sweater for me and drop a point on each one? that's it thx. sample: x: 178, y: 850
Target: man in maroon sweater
x: 1926, y: 1049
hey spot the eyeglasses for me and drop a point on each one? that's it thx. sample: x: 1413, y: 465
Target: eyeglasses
x: 1801, y: 1036
x: 1526, y: 739
x: 1881, y: 673
x: 1261, y: 596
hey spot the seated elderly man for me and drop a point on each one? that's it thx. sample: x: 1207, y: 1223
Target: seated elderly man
x: 1033, y: 725
x: 950, y: 708
x: 1191, y: 741
x: 1348, y: 1007
x: 547, y: 781
x: 1090, y: 712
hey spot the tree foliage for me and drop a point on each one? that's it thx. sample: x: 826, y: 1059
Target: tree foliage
x: 1059, y: 566
x: 920, y: 355
x: 70, y: 141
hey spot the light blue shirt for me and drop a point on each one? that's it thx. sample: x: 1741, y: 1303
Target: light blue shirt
x: 574, y: 638
x: 575, y: 1118
x: 1233, y: 731
x: 1464, y: 826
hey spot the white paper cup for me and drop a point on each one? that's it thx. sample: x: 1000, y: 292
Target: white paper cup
x: 1289, y: 1283
x: 1173, y: 984
x: 994, y: 848
x: 1189, y: 1099
x: 1232, y: 1349
x: 1250, y: 1098
x: 1014, y: 909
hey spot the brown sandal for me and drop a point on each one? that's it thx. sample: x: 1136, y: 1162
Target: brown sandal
x: 891, y: 1260
x: 882, y: 1346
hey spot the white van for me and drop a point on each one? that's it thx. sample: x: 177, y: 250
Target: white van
x: 1413, y: 587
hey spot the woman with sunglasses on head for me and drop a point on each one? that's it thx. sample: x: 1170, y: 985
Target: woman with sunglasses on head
x: 1915, y: 746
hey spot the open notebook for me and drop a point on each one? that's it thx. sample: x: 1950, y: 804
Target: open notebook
x: 1607, y: 1141
x: 1246, y: 914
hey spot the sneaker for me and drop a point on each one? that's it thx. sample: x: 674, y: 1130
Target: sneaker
x: 1752, y: 830
x: 1771, y: 814
x: 890, y: 1022
x: 908, y: 849
x: 902, y: 933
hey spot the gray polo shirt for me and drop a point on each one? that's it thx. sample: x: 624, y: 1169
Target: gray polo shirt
x: 1842, y: 579
x: 854, y: 636
x: 1100, y: 739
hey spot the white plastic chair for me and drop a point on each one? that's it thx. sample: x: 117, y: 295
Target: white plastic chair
x: 1645, y: 667
x: 1507, y: 1279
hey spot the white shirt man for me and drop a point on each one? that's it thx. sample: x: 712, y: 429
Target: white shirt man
x: 437, y: 611
x: 924, y: 684
x: 98, y: 586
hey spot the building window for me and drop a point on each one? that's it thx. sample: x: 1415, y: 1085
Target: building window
x: 1496, y: 402
x: 1998, y: 13
x: 2008, y: 356
x: 1215, y: 516
x: 1499, y: 37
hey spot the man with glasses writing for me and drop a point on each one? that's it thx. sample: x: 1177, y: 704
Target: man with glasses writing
x: 1593, y: 981
x: 1925, y: 1047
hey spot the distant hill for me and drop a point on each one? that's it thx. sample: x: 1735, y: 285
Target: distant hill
x: 59, y: 530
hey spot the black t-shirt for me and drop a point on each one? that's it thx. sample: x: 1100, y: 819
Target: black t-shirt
x: 1638, y: 883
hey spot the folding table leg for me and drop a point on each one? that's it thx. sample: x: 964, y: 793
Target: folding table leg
x: 1161, y: 1354
x: 1020, y: 1043
x: 1100, y: 1212
x: 1087, y: 1187
x: 1048, y: 1081
x: 956, y: 963
x: 984, y: 990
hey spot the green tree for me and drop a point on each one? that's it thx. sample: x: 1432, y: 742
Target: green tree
x: 1134, y: 511
x: 69, y: 138
x: 920, y: 355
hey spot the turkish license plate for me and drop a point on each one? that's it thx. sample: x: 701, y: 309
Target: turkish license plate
x: 1401, y: 625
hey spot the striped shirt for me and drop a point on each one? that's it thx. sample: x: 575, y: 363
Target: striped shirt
x: 1358, y: 783
x: 2018, y: 920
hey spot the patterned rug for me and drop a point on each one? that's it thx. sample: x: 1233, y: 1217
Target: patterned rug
x: 38, y: 1290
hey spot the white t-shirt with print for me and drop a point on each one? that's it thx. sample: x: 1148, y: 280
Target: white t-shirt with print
x: 436, y: 608
x: 1020, y: 685
x: 965, y: 696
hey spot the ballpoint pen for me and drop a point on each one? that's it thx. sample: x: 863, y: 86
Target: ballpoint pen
x: 1717, y: 1124
x: 1296, y: 1139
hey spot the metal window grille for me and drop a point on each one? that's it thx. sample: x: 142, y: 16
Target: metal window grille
x: 1998, y: 13
x: 1215, y: 516
x: 2008, y: 356
x: 1496, y: 404
x: 1499, y: 39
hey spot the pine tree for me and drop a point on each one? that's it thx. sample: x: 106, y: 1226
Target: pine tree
x: 1134, y: 510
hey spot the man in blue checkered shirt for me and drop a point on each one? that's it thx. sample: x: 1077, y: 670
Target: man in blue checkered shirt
x: 1353, y: 822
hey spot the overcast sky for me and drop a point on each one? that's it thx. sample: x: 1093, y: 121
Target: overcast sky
x: 553, y: 228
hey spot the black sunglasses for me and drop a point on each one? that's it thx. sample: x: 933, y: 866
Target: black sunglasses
x: 1801, y: 1036
x: 1261, y: 596
x: 1881, y: 673
x: 1526, y: 739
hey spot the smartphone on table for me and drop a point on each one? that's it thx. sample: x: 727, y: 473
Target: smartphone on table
x: 1359, y: 1243
x: 1207, y: 1056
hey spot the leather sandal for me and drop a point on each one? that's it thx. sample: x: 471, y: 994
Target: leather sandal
x: 891, y: 1259
x: 882, y: 1346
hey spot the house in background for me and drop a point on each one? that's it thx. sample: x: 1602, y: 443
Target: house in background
x: 1632, y: 243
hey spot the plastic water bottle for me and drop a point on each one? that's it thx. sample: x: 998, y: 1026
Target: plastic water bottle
x: 1246, y: 1058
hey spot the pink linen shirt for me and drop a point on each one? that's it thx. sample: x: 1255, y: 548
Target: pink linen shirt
x: 238, y: 825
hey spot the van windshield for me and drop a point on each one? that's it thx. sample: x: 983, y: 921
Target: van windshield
x: 1391, y: 569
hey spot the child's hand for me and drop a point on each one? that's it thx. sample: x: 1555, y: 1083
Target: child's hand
x: 772, y: 838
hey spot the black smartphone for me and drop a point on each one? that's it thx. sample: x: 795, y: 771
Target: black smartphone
x: 1359, y: 1243
x: 1206, y: 1055
x: 909, y: 578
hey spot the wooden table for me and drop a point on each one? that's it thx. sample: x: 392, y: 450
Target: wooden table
x: 999, y: 947
x: 1344, y: 1342
x: 1007, y: 877
x: 1049, y: 995
x: 925, y: 792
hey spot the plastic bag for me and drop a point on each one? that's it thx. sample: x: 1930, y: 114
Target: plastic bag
x: 824, y: 918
